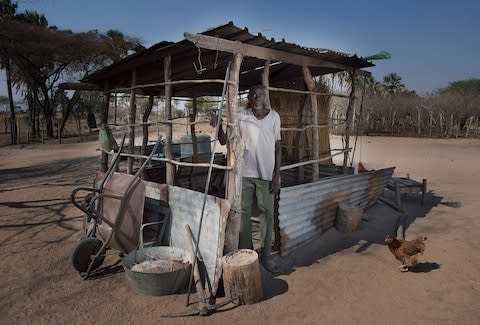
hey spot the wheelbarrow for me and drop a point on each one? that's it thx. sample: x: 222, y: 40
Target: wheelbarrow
x: 113, y: 215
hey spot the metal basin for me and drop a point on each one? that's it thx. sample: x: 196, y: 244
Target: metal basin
x: 158, y: 284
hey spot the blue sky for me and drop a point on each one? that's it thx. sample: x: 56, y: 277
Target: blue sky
x: 431, y: 42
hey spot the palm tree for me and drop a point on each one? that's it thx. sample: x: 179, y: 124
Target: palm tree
x: 393, y: 84
x: 24, y: 75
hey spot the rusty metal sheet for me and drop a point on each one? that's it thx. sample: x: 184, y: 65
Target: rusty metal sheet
x: 186, y: 208
x: 306, y: 210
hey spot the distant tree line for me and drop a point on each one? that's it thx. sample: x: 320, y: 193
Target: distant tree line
x: 388, y: 108
x: 38, y: 57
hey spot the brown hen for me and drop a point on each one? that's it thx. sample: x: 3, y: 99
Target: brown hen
x: 406, y: 251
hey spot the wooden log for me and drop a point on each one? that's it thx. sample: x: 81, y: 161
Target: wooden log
x: 349, y: 218
x: 131, y: 120
x: 167, y: 62
x: 305, y: 92
x: 266, y: 82
x: 193, y: 117
x: 234, y: 158
x: 104, y: 119
x: 244, y: 49
x: 78, y: 86
x: 302, y: 116
x: 161, y: 84
x: 348, y: 117
x: 241, y: 276
x: 310, y: 82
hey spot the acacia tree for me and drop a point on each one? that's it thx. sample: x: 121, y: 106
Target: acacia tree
x: 55, y: 56
x: 7, y: 12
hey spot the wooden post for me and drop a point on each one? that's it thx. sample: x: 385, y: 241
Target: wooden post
x: 104, y: 119
x: 266, y: 86
x: 348, y: 118
x: 301, y: 138
x: 193, y: 117
x: 145, y: 117
x: 234, y: 158
x: 167, y: 67
x: 131, y: 120
x: 310, y: 82
x: 266, y: 83
x: 116, y: 107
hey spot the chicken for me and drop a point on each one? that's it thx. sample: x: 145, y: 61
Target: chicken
x: 407, y: 252
x: 362, y: 168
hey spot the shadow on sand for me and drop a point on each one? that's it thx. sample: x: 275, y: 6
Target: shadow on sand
x: 424, y: 267
x: 378, y: 221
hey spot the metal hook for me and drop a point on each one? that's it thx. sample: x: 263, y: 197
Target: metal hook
x: 200, y: 69
x: 216, y: 56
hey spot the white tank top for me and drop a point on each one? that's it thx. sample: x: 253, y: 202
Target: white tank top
x: 259, y: 137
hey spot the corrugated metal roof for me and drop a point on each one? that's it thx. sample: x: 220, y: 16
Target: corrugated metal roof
x: 307, y: 210
x: 149, y: 64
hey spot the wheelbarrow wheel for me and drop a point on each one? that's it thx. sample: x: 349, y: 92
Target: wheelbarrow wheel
x: 83, y: 253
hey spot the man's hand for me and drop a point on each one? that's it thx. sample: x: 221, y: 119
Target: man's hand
x: 222, y: 137
x: 213, y: 121
x: 275, y: 184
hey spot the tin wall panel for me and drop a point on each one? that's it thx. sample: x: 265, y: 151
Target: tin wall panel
x: 306, y: 210
x: 186, y: 208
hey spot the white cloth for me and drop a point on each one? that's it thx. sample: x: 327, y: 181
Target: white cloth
x: 259, y: 137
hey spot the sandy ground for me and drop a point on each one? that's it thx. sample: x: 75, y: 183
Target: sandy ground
x: 337, y: 279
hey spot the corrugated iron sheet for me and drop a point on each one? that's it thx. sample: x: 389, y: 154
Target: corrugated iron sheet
x: 306, y: 210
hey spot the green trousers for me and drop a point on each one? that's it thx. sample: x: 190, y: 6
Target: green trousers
x: 259, y: 189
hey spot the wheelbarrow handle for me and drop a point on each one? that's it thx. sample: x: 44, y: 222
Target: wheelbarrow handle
x: 73, y: 197
x: 140, y: 243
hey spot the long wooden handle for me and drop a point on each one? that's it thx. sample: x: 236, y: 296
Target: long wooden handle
x: 203, y: 309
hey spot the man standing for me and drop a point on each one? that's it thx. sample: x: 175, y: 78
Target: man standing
x: 260, y: 132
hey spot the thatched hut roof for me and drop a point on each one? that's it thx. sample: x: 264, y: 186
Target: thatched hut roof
x: 149, y: 63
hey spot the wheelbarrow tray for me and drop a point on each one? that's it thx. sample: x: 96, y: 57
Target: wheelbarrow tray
x: 121, y: 209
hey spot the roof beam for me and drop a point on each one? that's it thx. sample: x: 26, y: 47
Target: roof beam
x: 216, y: 43
x: 78, y: 86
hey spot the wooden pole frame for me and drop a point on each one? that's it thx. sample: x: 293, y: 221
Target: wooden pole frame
x: 244, y: 49
x: 234, y: 158
x: 170, y: 171
x: 310, y: 82
x: 193, y: 117
x: 348, y: 117
x: 104, y: 120
x: 131, y: 120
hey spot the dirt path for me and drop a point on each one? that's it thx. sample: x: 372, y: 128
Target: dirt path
x: 338, y: 279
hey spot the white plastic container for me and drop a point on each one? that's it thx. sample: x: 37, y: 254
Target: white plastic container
x: 183, y: 146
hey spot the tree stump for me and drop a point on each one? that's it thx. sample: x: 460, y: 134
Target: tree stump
x: 349, y: 218
x: 241, y: 276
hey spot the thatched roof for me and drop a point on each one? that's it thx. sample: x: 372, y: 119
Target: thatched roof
x: 149, y: 63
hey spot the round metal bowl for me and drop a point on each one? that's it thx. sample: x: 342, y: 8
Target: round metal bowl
x: 158, y: 284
